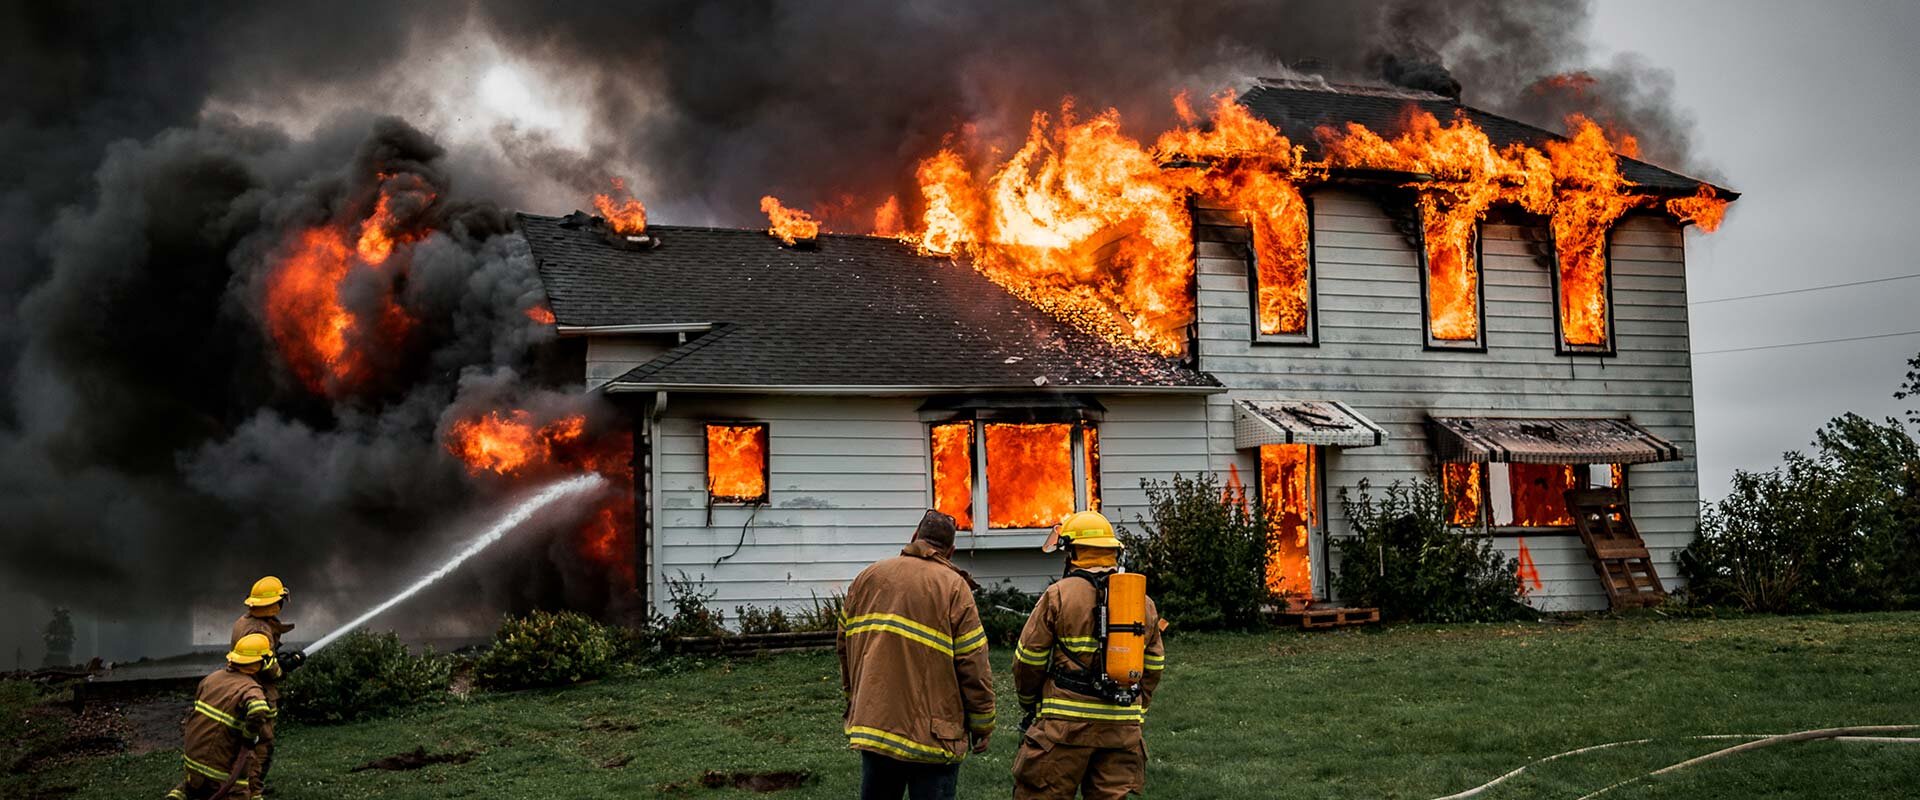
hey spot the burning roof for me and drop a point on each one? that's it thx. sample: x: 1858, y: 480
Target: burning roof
x: 853, y: 311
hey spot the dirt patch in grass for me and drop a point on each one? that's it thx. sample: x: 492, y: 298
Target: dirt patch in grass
x: 416, y: 759
x: 761, y: 782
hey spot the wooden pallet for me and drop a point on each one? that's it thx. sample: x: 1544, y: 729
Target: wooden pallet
x: 1613, y: 543
x: 1324, y: 618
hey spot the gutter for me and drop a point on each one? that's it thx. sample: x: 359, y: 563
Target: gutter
x: 618, y: 387
x: 618, y: 330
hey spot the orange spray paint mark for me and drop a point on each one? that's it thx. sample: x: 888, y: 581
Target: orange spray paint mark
x: 1528, y: 574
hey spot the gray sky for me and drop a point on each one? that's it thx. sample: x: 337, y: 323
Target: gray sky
x: 1811, y: 110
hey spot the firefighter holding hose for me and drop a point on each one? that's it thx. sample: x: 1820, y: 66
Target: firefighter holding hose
x: 262, y: 618
x: 1087, y: 663
x: 230, y: 718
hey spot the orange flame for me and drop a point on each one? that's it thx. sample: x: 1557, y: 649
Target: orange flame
x: 953, y: 472
x: 1539, y: 493
x: 1705, y: 209
x: 323, y: 341
x: 955, y: 212
x: 789, y: 225
x: 509, y: 443
x: 888, y: 220
x: 737, y: 462
x: 1590, y: 196
x: 1289, y: 494
x: 1029, y: 474
x: 623, y: 213
x: 1461, y: 485
x: 540, y: 314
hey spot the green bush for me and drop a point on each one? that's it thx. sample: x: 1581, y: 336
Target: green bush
x: 1003, y: 611
x: 1838, y: 529
x: 823, y: 615
x: 543, y: 649
x: 691, y: 616
x: 361, y: 676
x: 1205, y: 560
x: 1406, y: 561
x: 754, y: 619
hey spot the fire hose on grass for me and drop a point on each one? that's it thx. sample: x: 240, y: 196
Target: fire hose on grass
x: 1857, y: 733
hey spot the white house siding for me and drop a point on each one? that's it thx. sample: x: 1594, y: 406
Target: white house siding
x: 848, y: 481
x: 1371, y: 356
x: 609, y: 357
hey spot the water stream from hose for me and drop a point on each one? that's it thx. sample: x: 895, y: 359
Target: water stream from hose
x: 514, y: 517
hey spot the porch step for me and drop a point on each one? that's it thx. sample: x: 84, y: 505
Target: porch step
x: 1613, y: 543
x: 1324, y: 618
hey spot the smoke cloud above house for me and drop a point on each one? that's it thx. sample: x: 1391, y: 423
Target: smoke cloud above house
x: 178, y: 417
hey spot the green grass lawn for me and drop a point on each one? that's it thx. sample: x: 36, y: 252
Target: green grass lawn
x: 1404, y: 712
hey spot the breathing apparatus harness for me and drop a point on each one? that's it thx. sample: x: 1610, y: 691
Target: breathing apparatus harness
x: 1092, y: 679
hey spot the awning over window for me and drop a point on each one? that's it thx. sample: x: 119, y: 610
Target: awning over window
x: 1328, y: 423
x: 1548, y: 441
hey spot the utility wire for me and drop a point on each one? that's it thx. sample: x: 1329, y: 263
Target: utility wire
x: 1806, y: 289
x: 1805, y: 344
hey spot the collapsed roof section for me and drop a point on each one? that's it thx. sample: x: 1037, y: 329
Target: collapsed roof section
x: 852, y: 314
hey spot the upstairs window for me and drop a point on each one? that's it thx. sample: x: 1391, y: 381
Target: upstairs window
x: 1519, y: 495
x: 1583, y: 290
x: 1280, y: 267
x: 737, y: 463
x: 1450, y: 279
x: 1017, y: 475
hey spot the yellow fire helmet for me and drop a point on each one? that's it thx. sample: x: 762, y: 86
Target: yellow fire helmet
x: 251, y: 648
x: 1086, y: 529
x: 266, y: 592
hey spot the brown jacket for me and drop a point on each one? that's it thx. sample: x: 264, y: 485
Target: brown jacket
x: 229, y: 710
x: 1060, y: 632
x: 272, y: 628
x: 913, y: 659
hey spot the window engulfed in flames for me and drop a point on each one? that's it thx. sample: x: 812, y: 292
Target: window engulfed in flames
x: 1029, y: 474
x: 1453, y: 274
x: 1290, y: 496
x: 1462, y: 485
x: 737, y: 463
x: 1281, y: 259
x: 1090, y: 439
x: 1539, y: 493
x: 953, y: 471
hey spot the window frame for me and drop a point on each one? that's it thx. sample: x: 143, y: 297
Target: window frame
x: 1310, y: 336
x: 1487, y: 526
x: 1560, y: 345
x: 1479, y: 343
x: 1084, y: 473
x: 766, y: 462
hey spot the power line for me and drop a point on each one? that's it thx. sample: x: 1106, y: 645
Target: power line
x: 1806, y: 289
x: 1805, y: 344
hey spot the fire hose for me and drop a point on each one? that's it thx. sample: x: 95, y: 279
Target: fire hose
x: 240, y: 761
x: 1861, y: 733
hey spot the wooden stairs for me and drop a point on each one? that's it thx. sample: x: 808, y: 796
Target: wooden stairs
x: 1619, y: 554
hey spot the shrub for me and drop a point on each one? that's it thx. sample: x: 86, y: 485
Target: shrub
x: 1205, y: 560
x: 753, y: 619
x: 543, y: 649
x: 823, y: 615
x: 691, y: 616
x: 1838, y: 529
x: 361, y: 676
x: 1003, y: 611
x: 1403, y: 559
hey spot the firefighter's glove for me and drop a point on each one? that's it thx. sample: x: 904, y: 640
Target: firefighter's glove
x: 1026, y: 718
x: 980, y: 739
x: 292, y: 660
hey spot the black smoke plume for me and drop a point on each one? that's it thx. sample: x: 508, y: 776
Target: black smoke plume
x: 155, y: 445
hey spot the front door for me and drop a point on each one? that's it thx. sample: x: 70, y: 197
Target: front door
x: 1290, y: 493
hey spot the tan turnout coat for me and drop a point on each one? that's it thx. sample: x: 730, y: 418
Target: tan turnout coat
x: 229, y: 710
x: 913, y: 659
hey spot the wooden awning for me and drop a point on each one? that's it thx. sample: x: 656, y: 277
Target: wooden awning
x: 1329, y: 423
x: 1522, y: 440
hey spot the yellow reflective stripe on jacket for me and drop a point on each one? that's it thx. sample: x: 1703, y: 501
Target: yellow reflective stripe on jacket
x: 1079, y: 644
x: 1103, y: 712
x: 257, y: 706
x: 982, y: 722
x: 862, y: 736
x: 970, y: 641
x: 216, y: 715
x: 1036, y: 658
x: 1156, y: 662
x: 902, y: 627
x: 211, y: 772
x: 176, y: 794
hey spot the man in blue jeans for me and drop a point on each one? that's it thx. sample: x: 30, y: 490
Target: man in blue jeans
x: 913, y: 664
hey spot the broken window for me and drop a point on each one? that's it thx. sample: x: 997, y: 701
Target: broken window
x: 1582, y: 287
x: 737, y: 463
x: 1455, y: 296
x: 1290, y: 496
x: 1281, y: 268
x: 1024, y: 474
x: 1520, y: 495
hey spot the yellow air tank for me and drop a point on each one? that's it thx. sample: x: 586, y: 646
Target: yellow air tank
x: 1126, y: 627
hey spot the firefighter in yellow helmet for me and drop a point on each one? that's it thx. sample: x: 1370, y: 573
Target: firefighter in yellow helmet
x: 1080, y: 728
x: 262, y: 618
x: 230, y: 717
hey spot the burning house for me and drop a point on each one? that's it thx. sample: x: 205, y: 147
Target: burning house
x: 1317, y: 286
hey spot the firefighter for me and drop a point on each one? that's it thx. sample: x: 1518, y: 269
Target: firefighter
x: 230, y: 716
x: 913, y: 665
x: 264, y: 604
x: 1081, y: 730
